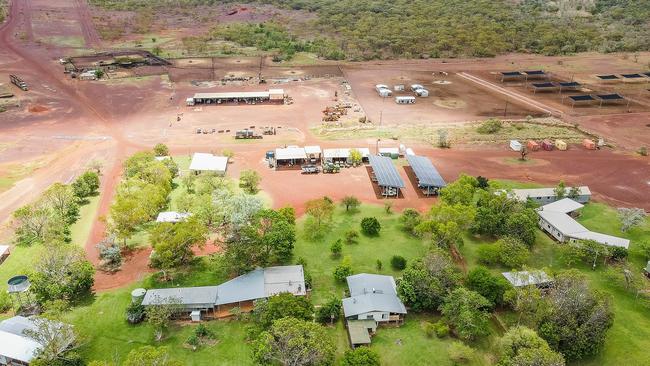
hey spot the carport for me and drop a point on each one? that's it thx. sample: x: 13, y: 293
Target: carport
x: 386, y: 176
x: 429, y: 180
x: 289, y: 156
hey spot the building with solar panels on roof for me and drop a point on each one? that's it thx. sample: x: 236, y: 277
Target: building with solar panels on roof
x: 386, y: 176
x: 429, y: 180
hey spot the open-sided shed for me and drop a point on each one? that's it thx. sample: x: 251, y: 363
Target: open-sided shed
x: 511, y: 75
x: 581, y: 99
x: 429, y: 180
x: 535, y: 74
x: 290, y: 156
x: 569, y: 85
x: 544, y: 87
x: 610, y: 98
x: 386, y: 175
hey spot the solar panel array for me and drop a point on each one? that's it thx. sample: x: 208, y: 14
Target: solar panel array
x: 613, y: 96
x: 426, y: 173
x: 632, y: 76
x: 511, y: 73
x: 569, y: 84
x: 535, y: 72
x: 608, y: 77
x: 386, y: 173
x: 581, y: 98
x: 544, y: 85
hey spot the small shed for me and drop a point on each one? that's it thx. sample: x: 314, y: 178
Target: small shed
x: 547, y: 145
x: 515, y: 145
x: 532, y: 145
x: 195, y: 315
x: 561, y: 145
x: 589, y: 144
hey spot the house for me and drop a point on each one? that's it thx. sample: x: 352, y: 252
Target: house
x: 544, y: 196
x: 239, y: 292
x: 16, y: 346
x: 556, y: 219
x: 203, y: 162
x: 372, y: 297
x: 172, y: 216
x: 526, y: 278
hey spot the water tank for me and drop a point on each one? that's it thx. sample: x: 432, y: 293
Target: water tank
x: 137, y: 295
x: 18, y: 284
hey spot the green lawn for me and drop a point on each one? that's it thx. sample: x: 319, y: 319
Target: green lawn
x: 80, y: 230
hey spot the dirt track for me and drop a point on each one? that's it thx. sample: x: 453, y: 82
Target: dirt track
x: 112, y: 119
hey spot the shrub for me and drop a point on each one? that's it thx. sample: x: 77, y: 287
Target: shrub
x: 86, y: 185
x: 5, y: 302
x: 336, y: 248
x: 228, y: 153
x: 193, y: 341
x: 343, y: 270
x: 643, y: 151
x: 361, y: 356
x: 249, y: 181
x: 490, y: 126
x: 618, y: 253
x: 351, y: 236
x: 330, y: 311
x: 441, y: 329
x: 488, y: 254
x: 379, y: 265
x: 161, y: 150
x: 135, y: 313
x: 398, y: 262
x: 460, y: 353
x: 410, y: 219
x: 429, y: 329
x: 370, y: 226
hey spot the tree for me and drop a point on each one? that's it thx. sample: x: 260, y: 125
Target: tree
x: 159, y: 314
x: 173, y: 243
x: 370, y: 226
x: 522, y: 225
x: 426, y: 282
x: 62, y: 272
x: 280, y: 306
x: 86, y: 185
x: 631, y: 217
x: 461, y: 191
x: 574, y: 193
x: 32, y: 224
x: 62, y: 201
x: 336, y: 248
x: 521, y: 346
x: 350, y: 203
x: 398, y: 262
x: 55, y: 338
x: 560, y: 190
x: 445, y: 223
x: 351, y: 237
x: 490, y: 126
x: 443, y: 139
x: 150, y: 356
x: 161, y: 150
x: 360, y: 356
x: 467, y: 312
x: 493, y: 215
x: 356, y: 157
x: 343, y: 270
x: 409, y: 219
x: 330, y: 311
x: 294, y: 342
x: 578, y: 317
x: 99, y: 73
x: 523, y: 153
x: 491, y: 287
x: 482, y: 182
x: 320, y: 210
x: 249, y: 181
x: 512, y: 252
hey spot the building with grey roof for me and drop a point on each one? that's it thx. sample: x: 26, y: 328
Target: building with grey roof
x: 545, y: 196
x: 17, y: 347
x: 555, y: 218
x: 238, y: 292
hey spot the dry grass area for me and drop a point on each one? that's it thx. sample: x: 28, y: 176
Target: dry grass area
x: 458, y: 133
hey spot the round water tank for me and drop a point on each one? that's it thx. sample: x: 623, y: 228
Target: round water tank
x: 138, y: 294
x: 18, y: 284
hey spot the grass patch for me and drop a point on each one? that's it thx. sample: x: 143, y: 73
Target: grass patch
x: 80, y: 230
x: 65, y: 41
x: 17, y: 172
x: 517, y: 161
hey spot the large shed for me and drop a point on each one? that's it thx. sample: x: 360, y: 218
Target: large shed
x: 204, y: 162
x: 290, y: 156
x: 429, y: 180
x: 254, y: 97
x: 386, y: 175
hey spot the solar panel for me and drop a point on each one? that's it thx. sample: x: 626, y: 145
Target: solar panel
x: 614, y: 96
x: 632, y: 76
x: 511, y: 73
x: 544, y: 85
x: 608, y: 77
x: 426, y: 173
x: 386, y: 173
x: 569, y: 84
x: 535, y: 72
x: 581, y: 98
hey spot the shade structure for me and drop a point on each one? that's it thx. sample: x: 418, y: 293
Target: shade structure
x: 613, y: 96
x: 631, y: 76
x: 582, y: 98
x: 426, y: 173
x: 608, y: 77
x: 569, y: 85
x: 511, y: 73
x: 386, y: 173
x: 534, y: 72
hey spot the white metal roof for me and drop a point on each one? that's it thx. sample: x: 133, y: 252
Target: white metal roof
x: 172, y: 216
x: 605, y: 239
x: 18, y: 347
x: 525, y: 278
x: 405, y: 98
x: 3, y: 249
x: 276, y: 91
x: 231, y: 95
x: 389, y: 150
x: 161, y: 158
x: 565, y: 205
x: 524, y: 194
x: 186, y: 295
x: 290, y: 153
x: 208, y: 162
x: 562, y: 222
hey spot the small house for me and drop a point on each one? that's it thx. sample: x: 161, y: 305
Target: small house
x: 515, y: 145
x: 545, y: 196
x: 88, y: 75
x: 532, y: 145
x: 561, y: 145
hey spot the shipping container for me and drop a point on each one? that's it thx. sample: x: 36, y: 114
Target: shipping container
x: 561, y: 145
x: 589, y: 144
x: 547, y: 145
x: 515, y: 145
x: 532, y: 145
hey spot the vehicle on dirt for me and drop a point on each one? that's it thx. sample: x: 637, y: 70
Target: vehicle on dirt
x: 310, y: 169
x: 247, y: 134
x: 331, y: 168
x: 18, y: 82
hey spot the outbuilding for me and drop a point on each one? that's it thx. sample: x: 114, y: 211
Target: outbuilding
x: 290, y: 156
x: 515, y: 145
x: 589, y: 144
x: 314, y: 153
x: 208, y: 163
x: 545, y: 196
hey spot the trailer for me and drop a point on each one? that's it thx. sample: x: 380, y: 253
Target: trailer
x: 18, y: 82
x: 246, y: 134
x: 405, y: 100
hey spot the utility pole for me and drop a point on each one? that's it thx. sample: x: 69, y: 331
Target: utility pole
x: 505, y: 110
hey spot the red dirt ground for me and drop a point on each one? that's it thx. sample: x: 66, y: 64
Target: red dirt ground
x: 108, y: 120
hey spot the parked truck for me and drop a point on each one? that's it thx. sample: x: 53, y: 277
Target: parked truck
x: 246, y: 134
x: 18, y: 82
